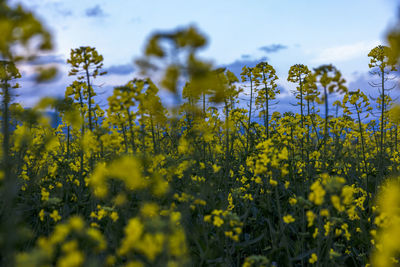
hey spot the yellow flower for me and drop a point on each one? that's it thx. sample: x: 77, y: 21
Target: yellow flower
x: 315, y: 234
x: 101, y: 214
x: 327, y: 228
x: 248, y: 196
x: 60, y: 233
x: 288, y: 219
x: 336, y: 203
x: 347, y: 194
x: 183, y: 146
x: 310, y: 218
x: 285, y: 171
x: 216, y: 168
x: 114, y: 216
x: 218, y: 221
x: 94, y: 225
x: 126, y: 169
x: 133, y: 232
x: 292, y: 201
x: 55, y: 216
x: 177, y: 243
x: 96, y: 235
x: 45, y: 194
x: 41, y: 215
x: 69, y: 246
x: 230, y: 201
x: 151, y: 245
x: 273, y: 182
x: 333, y: 254
x: 345, y: 227
x: 313, y: 259
x: 72, y: 259
x: 318, y: 193
x: 120, y: 199
x: 90, y: 143
x: 76, y: 223
x: 149, y: 210
x: 338, y: 232
x: 324, y: 213
x: 110, y: 260
x: 284, y: 154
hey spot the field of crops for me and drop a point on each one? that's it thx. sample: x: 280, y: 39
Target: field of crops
x: 207, y: 181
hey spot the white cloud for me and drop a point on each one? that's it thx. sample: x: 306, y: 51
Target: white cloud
x: 344, y: 52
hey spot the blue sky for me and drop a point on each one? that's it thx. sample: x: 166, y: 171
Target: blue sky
x: 311, y: 32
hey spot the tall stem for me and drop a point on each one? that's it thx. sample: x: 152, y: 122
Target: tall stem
x: 89, y: 91
x: 382, y: 123
x: 10, y: 190
x: 326, y: 123
x: 250, y: 110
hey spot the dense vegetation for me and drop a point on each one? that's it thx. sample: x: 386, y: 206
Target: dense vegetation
x: 202, y: 182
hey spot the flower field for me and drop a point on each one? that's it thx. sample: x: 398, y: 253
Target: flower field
x: 209, y: 180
